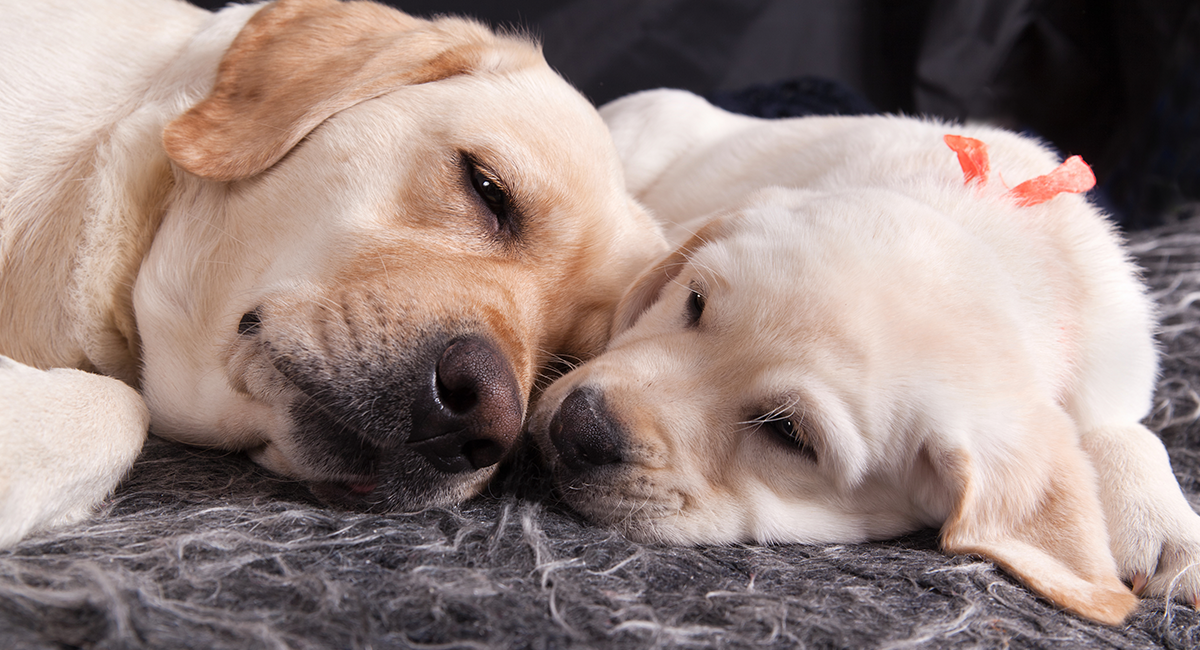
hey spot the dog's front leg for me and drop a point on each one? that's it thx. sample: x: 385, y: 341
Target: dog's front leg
x: 67, y: 438
x: 1153, y: 531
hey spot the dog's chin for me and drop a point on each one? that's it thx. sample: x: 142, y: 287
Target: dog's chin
x: 343, y: 469
x: 354, y: 473
x: 431, y: 489
x: 399, y: 480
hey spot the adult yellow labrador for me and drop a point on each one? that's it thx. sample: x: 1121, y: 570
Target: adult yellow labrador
x: 336, y: 236
x: 858, y: 343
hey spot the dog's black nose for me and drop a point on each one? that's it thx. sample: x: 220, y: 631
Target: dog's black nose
x: 471, y: 410
x: 583, y: 432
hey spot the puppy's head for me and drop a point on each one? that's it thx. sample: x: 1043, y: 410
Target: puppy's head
x: 832, y: 367
x: 381, y: 228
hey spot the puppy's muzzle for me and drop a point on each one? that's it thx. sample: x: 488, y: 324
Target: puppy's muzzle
x: 584, y: 433
x: 469, y: 412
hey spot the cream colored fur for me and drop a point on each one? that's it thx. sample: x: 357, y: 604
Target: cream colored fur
x: 166, y: 173
x: 44, y: 482
x: 944, y: 358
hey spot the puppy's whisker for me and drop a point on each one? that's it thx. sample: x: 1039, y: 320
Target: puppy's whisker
x: 691, y: 232
x: 783, y: 410
x: 570, y: 362
x: 554, y: 368
x: 707, y: 273
x: 210, y: 224
x: 675, y: 281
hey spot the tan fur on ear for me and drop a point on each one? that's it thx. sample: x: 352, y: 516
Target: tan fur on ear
x: 297, y: 62
x: 644, y: 291
x: 1038, y: 517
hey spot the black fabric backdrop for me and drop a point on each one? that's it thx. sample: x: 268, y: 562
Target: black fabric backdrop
x: 1116, y: 81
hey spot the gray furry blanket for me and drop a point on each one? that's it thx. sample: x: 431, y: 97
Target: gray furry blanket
x: 204, y: 550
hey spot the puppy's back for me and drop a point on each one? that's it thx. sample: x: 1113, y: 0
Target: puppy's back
x: 688, y: 160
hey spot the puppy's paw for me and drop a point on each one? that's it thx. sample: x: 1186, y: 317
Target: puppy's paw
x: 1161, y: 556
x: 1153, y: 532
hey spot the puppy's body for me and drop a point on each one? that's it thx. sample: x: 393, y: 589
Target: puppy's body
x: 850, y: 343
x: 333, y: 235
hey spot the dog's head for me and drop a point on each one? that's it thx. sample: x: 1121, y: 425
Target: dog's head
x: 381, y: 228
x: 833, y: 367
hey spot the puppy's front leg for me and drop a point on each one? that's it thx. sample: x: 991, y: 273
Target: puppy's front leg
x: 67, y: 438
x: 1153, y: 531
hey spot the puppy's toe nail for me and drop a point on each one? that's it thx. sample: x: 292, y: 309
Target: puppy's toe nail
x: 1139, y: 583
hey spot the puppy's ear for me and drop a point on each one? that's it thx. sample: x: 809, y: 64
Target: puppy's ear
x: 644, y: 291
x: 297, y: 62
x: 1032, y: 507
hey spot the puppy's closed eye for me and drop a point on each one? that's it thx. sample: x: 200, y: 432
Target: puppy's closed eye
x: 695, y: 306
x: 787, y: 431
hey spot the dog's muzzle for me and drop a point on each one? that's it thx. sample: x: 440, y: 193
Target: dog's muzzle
x: 401, y: 427
x: 468, y: 414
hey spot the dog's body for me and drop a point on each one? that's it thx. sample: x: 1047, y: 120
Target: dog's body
x: 335, y: 236
x: 850, y: 342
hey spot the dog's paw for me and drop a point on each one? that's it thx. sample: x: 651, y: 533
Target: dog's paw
x: 67, y: 438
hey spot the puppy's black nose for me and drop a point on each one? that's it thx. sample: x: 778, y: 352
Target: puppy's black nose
x: 470, y: 413
x: 583, y: 432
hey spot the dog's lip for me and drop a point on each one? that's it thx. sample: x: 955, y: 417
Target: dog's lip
x: 362, y: 487
x: 344, y: 491
x: 358, y: 484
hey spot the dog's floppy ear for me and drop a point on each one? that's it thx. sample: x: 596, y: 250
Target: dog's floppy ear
x: 1032, y: 507
x: 644, y: 291
x: 297, y: 62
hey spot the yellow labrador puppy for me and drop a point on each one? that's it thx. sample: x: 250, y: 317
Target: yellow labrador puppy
x: 336, y: 236
x: 859, y: 343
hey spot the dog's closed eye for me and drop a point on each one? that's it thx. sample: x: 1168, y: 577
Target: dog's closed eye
x: 787, y: 431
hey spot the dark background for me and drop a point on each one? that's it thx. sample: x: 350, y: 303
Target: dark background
x: 1116, y: 81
